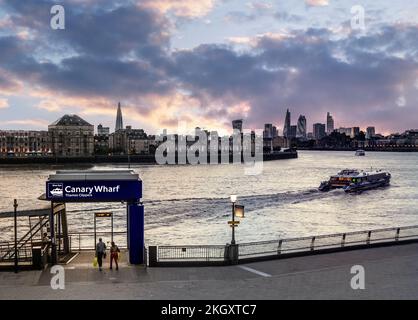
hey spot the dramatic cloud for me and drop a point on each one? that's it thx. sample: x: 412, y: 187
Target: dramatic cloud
x: 113, y: 51
x: 316, y: 3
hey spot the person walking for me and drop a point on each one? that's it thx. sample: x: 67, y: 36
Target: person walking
x: 114, y: 255
x: 100, y: 252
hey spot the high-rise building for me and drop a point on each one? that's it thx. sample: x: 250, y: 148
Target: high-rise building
x: 319, y: 131
x: 330, y: 123
x: 286, y: 127
x: 237, y: 125
x: 119, y: 121
x: 370, y: 132
x: 301, y: 127
x: 292, y: 132
x: 355, y: 132
x: 268, y: 131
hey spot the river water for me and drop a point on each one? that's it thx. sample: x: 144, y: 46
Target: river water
x: 190, y: 204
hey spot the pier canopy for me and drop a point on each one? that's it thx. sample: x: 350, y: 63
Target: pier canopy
x: 102, y: 186
x: 94, y: 185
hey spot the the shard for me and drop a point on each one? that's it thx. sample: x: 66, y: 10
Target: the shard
x: 119, y: 121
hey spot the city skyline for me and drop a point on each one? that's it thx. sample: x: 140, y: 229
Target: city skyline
x: 209, y: 62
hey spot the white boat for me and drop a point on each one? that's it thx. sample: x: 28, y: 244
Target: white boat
x: 360, y: 152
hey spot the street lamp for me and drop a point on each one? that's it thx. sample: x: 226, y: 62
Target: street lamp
x: 233, y: 200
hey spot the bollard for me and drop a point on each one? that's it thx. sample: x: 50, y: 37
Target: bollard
x: 398, y: 230
x: 343, y: 240
x: 279, y: 249
x: 369, y: 235
x: 312, y: 243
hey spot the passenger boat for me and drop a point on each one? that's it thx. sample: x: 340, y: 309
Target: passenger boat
x: 352, y: 180
x: 360, y: 153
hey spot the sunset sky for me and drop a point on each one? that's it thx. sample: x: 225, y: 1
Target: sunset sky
x: 208, y: 62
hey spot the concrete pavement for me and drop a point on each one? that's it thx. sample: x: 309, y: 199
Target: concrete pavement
x: 390, y: 273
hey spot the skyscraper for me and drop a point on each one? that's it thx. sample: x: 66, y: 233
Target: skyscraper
x: 301, y: 130
x: 286, y: 127
x: 330, y: 123
x: 119, y: 121
x: 371, y: 132
x: 318, y: 131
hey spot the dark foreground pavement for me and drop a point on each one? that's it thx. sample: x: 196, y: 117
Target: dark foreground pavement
x: 390, y: 273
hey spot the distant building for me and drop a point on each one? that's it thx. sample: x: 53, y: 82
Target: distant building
x: 125, y: 140
x: 268, y: 131
x: 310, y: 136
x: 101, y: 140
x: 286, y: 127
x: 301, y: 127
x: 70, y: 136
x: 330, y: 123
x: 237, y: 125
x: 370, y: 132
x: 319, y: 131
x: 346, y: 131
x: 355, y: 132
x: 292, y: 132
x: 119, y: 120
x: 103, y: 131
x: 21, y: 143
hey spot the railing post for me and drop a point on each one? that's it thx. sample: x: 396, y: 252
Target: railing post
x: 152, y: 256
x: 369, y: 235
x: 279, y: 249
x: 343, y: 240
x: 313, y: 244
x: 398, y: 230
x: 79, y: 242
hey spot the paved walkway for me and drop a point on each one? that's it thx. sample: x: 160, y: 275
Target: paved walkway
x: 390, y: 273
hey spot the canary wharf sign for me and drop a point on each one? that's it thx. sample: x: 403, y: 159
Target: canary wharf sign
x: 111, y: 190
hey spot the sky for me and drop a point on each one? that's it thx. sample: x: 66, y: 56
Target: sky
x: 204, y: 63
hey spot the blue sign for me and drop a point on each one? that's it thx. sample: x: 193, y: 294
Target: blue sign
x: 88, y: 190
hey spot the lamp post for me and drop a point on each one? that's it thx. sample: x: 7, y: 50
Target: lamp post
x: 233, y: 200
x: 15, y: 234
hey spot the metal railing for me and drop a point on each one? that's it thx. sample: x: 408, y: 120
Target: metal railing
x: 274, y: 248
x: 85, y: 240
x: 24, y: 252
x: 191, y: 253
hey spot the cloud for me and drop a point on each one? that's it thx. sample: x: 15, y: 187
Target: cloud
x: 4, y: 103
x: 180, y: 8
x: 317, y: 3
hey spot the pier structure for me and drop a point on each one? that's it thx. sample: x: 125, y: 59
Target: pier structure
x: 125, y: 186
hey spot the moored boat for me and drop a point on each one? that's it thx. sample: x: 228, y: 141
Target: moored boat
x: 360, y: 153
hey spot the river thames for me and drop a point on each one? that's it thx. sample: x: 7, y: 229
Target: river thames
x: 190, y: 204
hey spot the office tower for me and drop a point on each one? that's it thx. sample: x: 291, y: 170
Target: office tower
x: 370, y: 132
x: 355, y: 132
x: 330, y: 123
x: 119, y: 121
x: 292, y: 132
x: 286, y: 127
x: 319, y: 131
x: 268, y: 131
x: 301, y: 127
